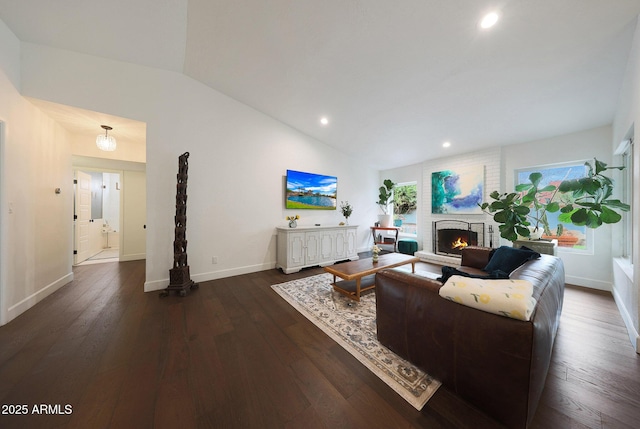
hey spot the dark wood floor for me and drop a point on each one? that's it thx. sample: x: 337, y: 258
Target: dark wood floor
x: 233, y: 354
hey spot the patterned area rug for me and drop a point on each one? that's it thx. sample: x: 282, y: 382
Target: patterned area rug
x: 353, y: 325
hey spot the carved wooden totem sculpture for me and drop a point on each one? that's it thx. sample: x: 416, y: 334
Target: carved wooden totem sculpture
x: 179, y: 278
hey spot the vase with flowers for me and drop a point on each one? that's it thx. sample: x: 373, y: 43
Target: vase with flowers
x: 375, y: 251
x: 346, y: 209
x: 293, y: 221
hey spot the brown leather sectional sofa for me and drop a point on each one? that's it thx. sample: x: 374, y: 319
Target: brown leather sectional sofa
x: 495, y: 363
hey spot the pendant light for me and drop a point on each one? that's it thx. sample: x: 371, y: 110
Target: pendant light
x: 106, y: 142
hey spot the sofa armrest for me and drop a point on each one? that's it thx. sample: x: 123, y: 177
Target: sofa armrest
x: 476, y: 256
x: 397, y: 294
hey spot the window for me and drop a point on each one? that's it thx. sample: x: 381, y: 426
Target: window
x: 405, y: 207
x: 626, y: 150
x: 577, y: 239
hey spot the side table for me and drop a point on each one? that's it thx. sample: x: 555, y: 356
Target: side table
x: 385, y: 228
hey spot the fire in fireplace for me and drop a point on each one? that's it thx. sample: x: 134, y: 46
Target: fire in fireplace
x: 460, y: 243
x: 450, y: 237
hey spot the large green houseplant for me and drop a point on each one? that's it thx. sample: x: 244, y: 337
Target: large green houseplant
x: 385, y: 193
x: 583, y: 202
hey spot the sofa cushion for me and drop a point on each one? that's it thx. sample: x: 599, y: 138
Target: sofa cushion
x: 507, y: 258
x: 509, y: 298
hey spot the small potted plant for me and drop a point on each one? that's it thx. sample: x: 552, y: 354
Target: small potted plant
x: 583, y: 202
x: 346, y: 209
x: 385, y: 195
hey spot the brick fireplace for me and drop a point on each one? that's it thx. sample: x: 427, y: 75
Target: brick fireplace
x: 451, y: 236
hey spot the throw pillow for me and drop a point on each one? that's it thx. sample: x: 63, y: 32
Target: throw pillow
x: 509, y: 298
x: 507, y: 258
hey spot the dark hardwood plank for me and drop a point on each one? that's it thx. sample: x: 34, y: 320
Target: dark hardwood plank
x: 234, y: 354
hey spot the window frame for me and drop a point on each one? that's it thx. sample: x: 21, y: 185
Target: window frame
x: 415, y: 184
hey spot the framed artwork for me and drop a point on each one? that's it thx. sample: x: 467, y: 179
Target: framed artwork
x: 457, y: 191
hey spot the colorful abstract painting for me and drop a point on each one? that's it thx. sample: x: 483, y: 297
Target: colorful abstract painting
x: 457, y: 191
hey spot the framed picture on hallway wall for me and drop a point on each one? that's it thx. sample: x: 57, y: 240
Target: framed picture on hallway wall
x: 457, y: 191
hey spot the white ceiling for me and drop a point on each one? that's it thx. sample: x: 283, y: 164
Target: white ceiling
x: 396, y: 79
x: 85, y: 124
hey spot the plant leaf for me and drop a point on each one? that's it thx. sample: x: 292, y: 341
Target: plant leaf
x: 535, y: 178
x: 593, y: 220
x: 553, y: 207
x: 609, y: 216
x: 617, y: 204
x: 579, y: 217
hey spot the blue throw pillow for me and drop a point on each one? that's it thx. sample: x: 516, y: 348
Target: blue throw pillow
x: 507, y: 258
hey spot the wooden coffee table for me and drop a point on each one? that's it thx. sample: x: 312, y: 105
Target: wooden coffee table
x: 359, y: 276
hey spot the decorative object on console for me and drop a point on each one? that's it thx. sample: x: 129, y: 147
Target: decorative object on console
x: 293, y: 221
x: 457, y: 192
x: 310, y: 191
x: 384, y: 196
x: 179, y: 278
x: 346, y: 209
x: 584, y: 201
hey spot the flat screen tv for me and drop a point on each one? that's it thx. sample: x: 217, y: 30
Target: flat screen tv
x: 310, y: 191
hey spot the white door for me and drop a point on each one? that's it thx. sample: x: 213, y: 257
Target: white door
x: 133, y: 237
x: 82, y: 216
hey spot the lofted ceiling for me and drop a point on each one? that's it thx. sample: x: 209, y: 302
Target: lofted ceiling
x: 395, y: 79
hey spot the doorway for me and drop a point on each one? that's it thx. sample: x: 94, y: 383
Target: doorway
x: 97, y: 216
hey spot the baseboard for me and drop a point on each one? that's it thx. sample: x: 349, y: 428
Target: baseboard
x: 22, y: 306
x: 634, y: 336
x: 590, y: 283
x: 155, y: 285
x: 133, y: 257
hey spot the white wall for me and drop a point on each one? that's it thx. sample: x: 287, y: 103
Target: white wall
x: 238, y: 160
x: 625, y: 289
x: 36, y: 222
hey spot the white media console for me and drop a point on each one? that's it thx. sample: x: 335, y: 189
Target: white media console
x: 308, y: 246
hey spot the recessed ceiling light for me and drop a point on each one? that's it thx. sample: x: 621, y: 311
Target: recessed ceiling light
x: 324, y: 120
x: 446, y: 144
x: 489, y: 20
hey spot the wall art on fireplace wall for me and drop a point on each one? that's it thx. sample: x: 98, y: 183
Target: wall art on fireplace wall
x: 457, y: 191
